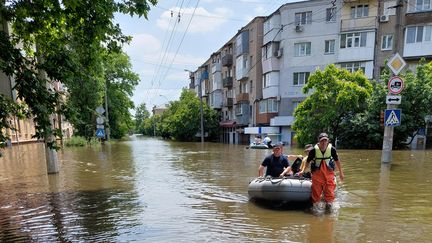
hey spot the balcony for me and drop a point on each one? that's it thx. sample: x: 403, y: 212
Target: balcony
x: 359, y: 23
x: 204, y: 75
x: 242, y: 97
x: 216, y: 67
x: 228, y: 82
x: 227, y: 60
x: 228, y: 102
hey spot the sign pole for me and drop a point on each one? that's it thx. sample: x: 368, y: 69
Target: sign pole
x: 386, y: 156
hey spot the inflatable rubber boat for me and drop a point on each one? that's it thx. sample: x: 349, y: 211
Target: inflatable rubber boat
x: 258, y: 146
x: 289, y: 189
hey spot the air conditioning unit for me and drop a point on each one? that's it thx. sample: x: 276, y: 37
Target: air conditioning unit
x: 384, y: 18
x: 299, y: 28
x: 279, y: 52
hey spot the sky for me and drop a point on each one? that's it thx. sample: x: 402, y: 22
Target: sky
x: 181, y: 35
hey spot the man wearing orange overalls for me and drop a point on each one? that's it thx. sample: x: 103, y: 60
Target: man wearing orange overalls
x: 323, y: 157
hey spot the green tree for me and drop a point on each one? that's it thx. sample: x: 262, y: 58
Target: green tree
x: 335, y: 95
x: 141, y: 114
x: 62, y: 41
x: 181, y: 120
x: 121, y: 82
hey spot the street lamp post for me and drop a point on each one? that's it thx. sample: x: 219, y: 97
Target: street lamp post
x: 201, y: 108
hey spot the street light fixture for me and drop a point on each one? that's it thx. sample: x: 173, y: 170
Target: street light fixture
x: 201, y: 107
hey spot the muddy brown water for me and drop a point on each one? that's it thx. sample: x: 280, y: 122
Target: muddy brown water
x: 151, y: 190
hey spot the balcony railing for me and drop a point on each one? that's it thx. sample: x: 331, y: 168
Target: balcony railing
x: 228, y: 102
x: 227, y: 60
x: 228, y: 82
x: 242, y: 97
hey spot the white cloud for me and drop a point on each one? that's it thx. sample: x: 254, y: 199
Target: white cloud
x: 143, y: 44
x: 203, y: 20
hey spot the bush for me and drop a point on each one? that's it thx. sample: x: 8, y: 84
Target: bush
x: 78, y: 141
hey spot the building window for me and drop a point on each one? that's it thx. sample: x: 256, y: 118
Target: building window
x: 329, y: 47
x: 354, y: 66
x: 387, y: 42
x: 239, y: 109
x: 263, y: 106
x: 359, y: 11
x: 243, y: 88
x: 331, y: 15
x: 353, y: 40
x: 272, y: 105
x: 266, y: 80
x: 423, y: 5
x: 269, y: 105
x: 303, y: 18
x: 300, y: 78
x: 418, y: 34
x: 302, y: 49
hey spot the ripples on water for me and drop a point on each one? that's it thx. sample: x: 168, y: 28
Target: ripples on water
x: 158, y: 191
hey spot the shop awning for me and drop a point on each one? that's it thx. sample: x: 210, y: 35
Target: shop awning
x: 227, y: 123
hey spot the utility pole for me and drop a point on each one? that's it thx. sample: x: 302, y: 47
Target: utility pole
x: 107, y: 128
x: 386, y: 156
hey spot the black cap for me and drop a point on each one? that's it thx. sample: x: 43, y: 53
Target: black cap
x: 323, y: 136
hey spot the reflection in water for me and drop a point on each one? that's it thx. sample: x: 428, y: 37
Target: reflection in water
x: 153, y: 190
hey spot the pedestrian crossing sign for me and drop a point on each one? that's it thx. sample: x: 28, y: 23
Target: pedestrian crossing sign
x: 100, y: 133
x: 392, y: 117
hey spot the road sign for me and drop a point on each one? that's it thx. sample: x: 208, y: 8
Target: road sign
x: 392, y: 117
x: 100, y: 126
x: 396, y: 64
x: 100, y: 133
x: 393, y: 99
x: 100, y: 120
x: 395, y: 85
x: 100, y: 110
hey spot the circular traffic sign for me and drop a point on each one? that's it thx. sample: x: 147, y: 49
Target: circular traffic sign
x: 395, y: 85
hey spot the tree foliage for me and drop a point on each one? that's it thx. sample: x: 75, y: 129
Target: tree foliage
x: 181, y: 121
x: 141, y: 114
x: 335, y: 95
x: 63, y: 41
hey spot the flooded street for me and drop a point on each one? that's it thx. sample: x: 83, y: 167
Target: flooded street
x: 161, y: 191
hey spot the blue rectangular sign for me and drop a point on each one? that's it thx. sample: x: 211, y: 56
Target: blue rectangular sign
x: 100, y: 133
x: 392, y: 117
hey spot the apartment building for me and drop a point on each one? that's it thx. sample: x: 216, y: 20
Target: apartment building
x: 418, y: 31
x: 228, y: 121
x: 308, y: 40
x: 359, y: 23
x: 265, y: 66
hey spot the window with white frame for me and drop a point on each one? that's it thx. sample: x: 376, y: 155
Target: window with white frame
x: 303, y: 18
x: 416, y: 34
x: 266, y: 80
x: 269, y: 105
x: 263, y: 106
x: 243, y: 87
x: 239, y: 109
x: 351, y: 40
x: 302, y: 49
x: 266, y: 52
x: 423, y: 5
x: 329, y: 47
x: 359, y: 11
x: 387, y: 42
x: 331, y: 14
x: 272, y: 105
x: 354, y: 66
x: 300, y: 78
